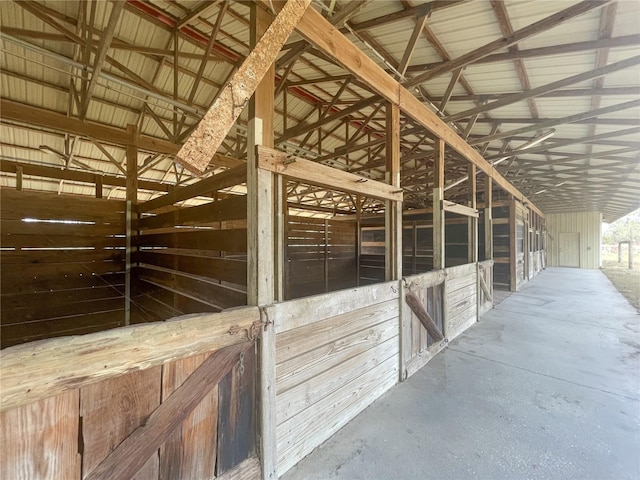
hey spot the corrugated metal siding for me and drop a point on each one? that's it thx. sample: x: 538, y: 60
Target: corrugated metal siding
x: 587, y: 224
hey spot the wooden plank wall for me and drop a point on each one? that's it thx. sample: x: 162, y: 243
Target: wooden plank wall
x: 417, y: 345
x: 190, y: 259
x: 320, y: 256
x: 62, y: 274
x: 335, y: 354
x: 66, y: 436
x: 461, y: 308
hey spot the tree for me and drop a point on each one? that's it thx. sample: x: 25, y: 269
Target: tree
x: 625, y: 228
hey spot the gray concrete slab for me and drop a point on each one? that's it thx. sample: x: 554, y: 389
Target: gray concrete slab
x: 545, y: 386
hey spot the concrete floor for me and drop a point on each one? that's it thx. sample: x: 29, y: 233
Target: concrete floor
x: 546, y: 386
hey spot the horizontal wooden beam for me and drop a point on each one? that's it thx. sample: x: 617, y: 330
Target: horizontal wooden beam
x: 207, y: 186
x: 37, y: 370
x: 39, y: 117
x: 29, y: 169
x: 315, y: 29
x: 459, y: 209
x: 317, y: 174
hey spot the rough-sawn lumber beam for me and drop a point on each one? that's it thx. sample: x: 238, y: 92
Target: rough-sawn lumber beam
x: 196, y: 153
x: 317, y: 30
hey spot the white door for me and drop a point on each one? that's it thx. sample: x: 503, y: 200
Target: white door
x: 569, y: 250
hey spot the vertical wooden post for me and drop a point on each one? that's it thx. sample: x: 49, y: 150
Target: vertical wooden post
x: 393, y: 225
x: 280, y: 237
x: 488, y: 218
x: 393, y: 210
x: 326, y: 255
x: 98, y: 181
x: 19, y: 179
x: 513, y: 258
x: 261, y: 244
x: 132, y: 198
x: 438, y: 211
x: 358, y: 236
x: 472, y: 255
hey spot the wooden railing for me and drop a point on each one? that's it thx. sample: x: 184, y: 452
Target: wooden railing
x: 170, y: 400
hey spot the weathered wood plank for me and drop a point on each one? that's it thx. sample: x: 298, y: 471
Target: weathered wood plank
x: 40, y: 440
x: 190, y: 451
x: 234, y: 271
x: 318, y: 174
x: 297, y: 313
x: 247, y: 470
x: 38, y: 370
x: 299, y: 435
x: 296, y: 399
x: 111, y: 410
x: 228, y: 178
x: 196, y: 153
x: 232, y: 208
x: 237, y: 418
x: 134, y: 451
x: 232, y: 240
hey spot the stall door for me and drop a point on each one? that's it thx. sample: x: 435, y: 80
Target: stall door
x: 569, y: 250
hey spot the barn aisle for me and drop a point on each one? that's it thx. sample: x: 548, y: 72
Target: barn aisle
x: 547, y: 385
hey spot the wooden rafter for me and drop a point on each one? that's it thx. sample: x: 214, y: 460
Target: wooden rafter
x: 517, y: 36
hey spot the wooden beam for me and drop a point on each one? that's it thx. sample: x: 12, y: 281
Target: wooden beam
x: 316, y: 174
x: 393, y: 210
x: 411, y: 45
x: 135, y: 450
x: 527, y: 94
x: 472, y: 220
x: 76, y: 176
x: 33, y: 371
x: 196, y: 153
x: 616, y: 42
x: 427, y: 322
x: 422, y: 10
x: 315, y: 29
x: 488, y: 218
x: 27, y: 114
x: 460, y: 209
x: 559, y: 121
x: 517, y: 36
x: 438, y: 205
x: 447, y: 93
x: 485, y: 288
x: 101, y: 54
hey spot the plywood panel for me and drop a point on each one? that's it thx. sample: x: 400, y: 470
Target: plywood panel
x: 190, y: 452
x: 39, y: 441
x: 111, y: 410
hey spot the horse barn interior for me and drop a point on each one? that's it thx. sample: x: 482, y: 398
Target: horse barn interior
x: 230, y: 226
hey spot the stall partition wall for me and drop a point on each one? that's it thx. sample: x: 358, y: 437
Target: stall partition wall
x: 321, y: 255
x: 63, y: 265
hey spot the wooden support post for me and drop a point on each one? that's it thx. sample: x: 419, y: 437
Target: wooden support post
x: 438, y: 207
x: 261, y: 243
x: 99, y: 186
x: 132, y: 199
x: 472, y: 221
x: 19, y: 178
x: 488, y: 218
x: 485, y: 287
x: 513, y: 259
x: 393, y: 209
x: 358, y: 236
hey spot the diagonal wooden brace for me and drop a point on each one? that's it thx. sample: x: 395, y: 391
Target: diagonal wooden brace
x: 418, y: 309
x: 135, y: 450
x: 197, y: 151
